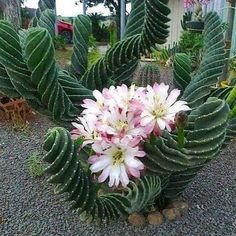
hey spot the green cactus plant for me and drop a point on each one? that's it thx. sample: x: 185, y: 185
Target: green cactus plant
x: 148, y: 75
x: 88, y: 198
x: 42, y: 6
x: 29, y: 70
x: 182, y: 70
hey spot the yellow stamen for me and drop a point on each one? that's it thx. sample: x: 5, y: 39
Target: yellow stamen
x: 118, y: 157
x: 121, y: 125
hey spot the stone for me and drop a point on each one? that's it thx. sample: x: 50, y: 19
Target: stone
x: 155, y: 218
x: 1, y: 220
x: 171, y: 213
x: 137, y: 219
x: 180, y: 205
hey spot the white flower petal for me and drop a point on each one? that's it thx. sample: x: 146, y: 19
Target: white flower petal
x: 105, y: 174
x: 114, y: 176
x: 161, y: 123
x: 178, y: 106
x: 123, y: 176
x: 98, y: 95
x: 174, y: 94
x: 146, y: 120
x: 99, y: 165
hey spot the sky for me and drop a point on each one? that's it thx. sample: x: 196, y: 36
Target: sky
x: 68, y: 8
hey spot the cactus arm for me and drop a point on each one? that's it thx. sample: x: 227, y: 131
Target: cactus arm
x: 6, y: 86
x: 81, y: 33
x: 66, y: 171
x: 144, y: 192
x: 12, y: 60
x: 124, y: 75
x: 136, y: 19
x: 44, y: 73
x: 74, y: 90
x: 212, y: 62
x: 182, y: 71
x: 205, y: 134
x: 47, y: 20
x: 42, y: 6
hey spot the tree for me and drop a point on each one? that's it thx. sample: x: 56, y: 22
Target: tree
x: 113, y: 5
x: 11, y: 11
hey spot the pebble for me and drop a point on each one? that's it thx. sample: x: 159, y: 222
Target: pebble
x: 171, y: 213
x: 155, y: 218
x: 137, y: 219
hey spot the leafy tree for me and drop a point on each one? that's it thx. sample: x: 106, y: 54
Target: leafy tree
x: 100, y: 31
x: 113, y: 5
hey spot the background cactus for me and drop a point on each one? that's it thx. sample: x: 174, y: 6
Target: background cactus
x: 182, y: 71
x: 149, y: 74
x: 29, y: 70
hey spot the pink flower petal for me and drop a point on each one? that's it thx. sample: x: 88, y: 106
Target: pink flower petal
x: 134, y: 172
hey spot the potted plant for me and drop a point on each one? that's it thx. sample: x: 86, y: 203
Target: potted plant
x: 197, y: 23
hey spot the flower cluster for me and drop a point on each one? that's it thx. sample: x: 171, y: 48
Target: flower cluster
x: 116, y: 123
x: 189, y: 3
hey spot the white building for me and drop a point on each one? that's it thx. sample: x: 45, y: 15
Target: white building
x: 177, y: 11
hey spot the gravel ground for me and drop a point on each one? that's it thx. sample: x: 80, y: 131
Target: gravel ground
x: 28, y: 206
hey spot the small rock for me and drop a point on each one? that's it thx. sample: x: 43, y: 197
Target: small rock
x: 137, y: 219
x: 1, y: 220
x: 171, y: 214
x: 155, y: 218
x: 234, y: 223
x: 180, y: 205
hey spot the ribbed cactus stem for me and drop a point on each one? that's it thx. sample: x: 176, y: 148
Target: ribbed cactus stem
x: 149, y: 74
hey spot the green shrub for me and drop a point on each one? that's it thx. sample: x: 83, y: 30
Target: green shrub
x: 161, y: 56
x: 92, y: 41
x: 35, y: 165
x: 112, y: 33
x: 233, y: 64
x: 93, y: 56
x: 99, y: 29
x: 191, y: 43
x: 59, y: 42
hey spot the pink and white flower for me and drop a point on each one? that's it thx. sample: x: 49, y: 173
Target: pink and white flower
x: 189, y: 3
x: 86, y: 128
x: 120, y: 122
x: 118, y: 162
x: 117, y: 123
x: 160, y: 108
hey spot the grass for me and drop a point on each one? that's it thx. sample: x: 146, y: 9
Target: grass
x: 93, y: 56
x: 35, y: 165
x: 63, y: 56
